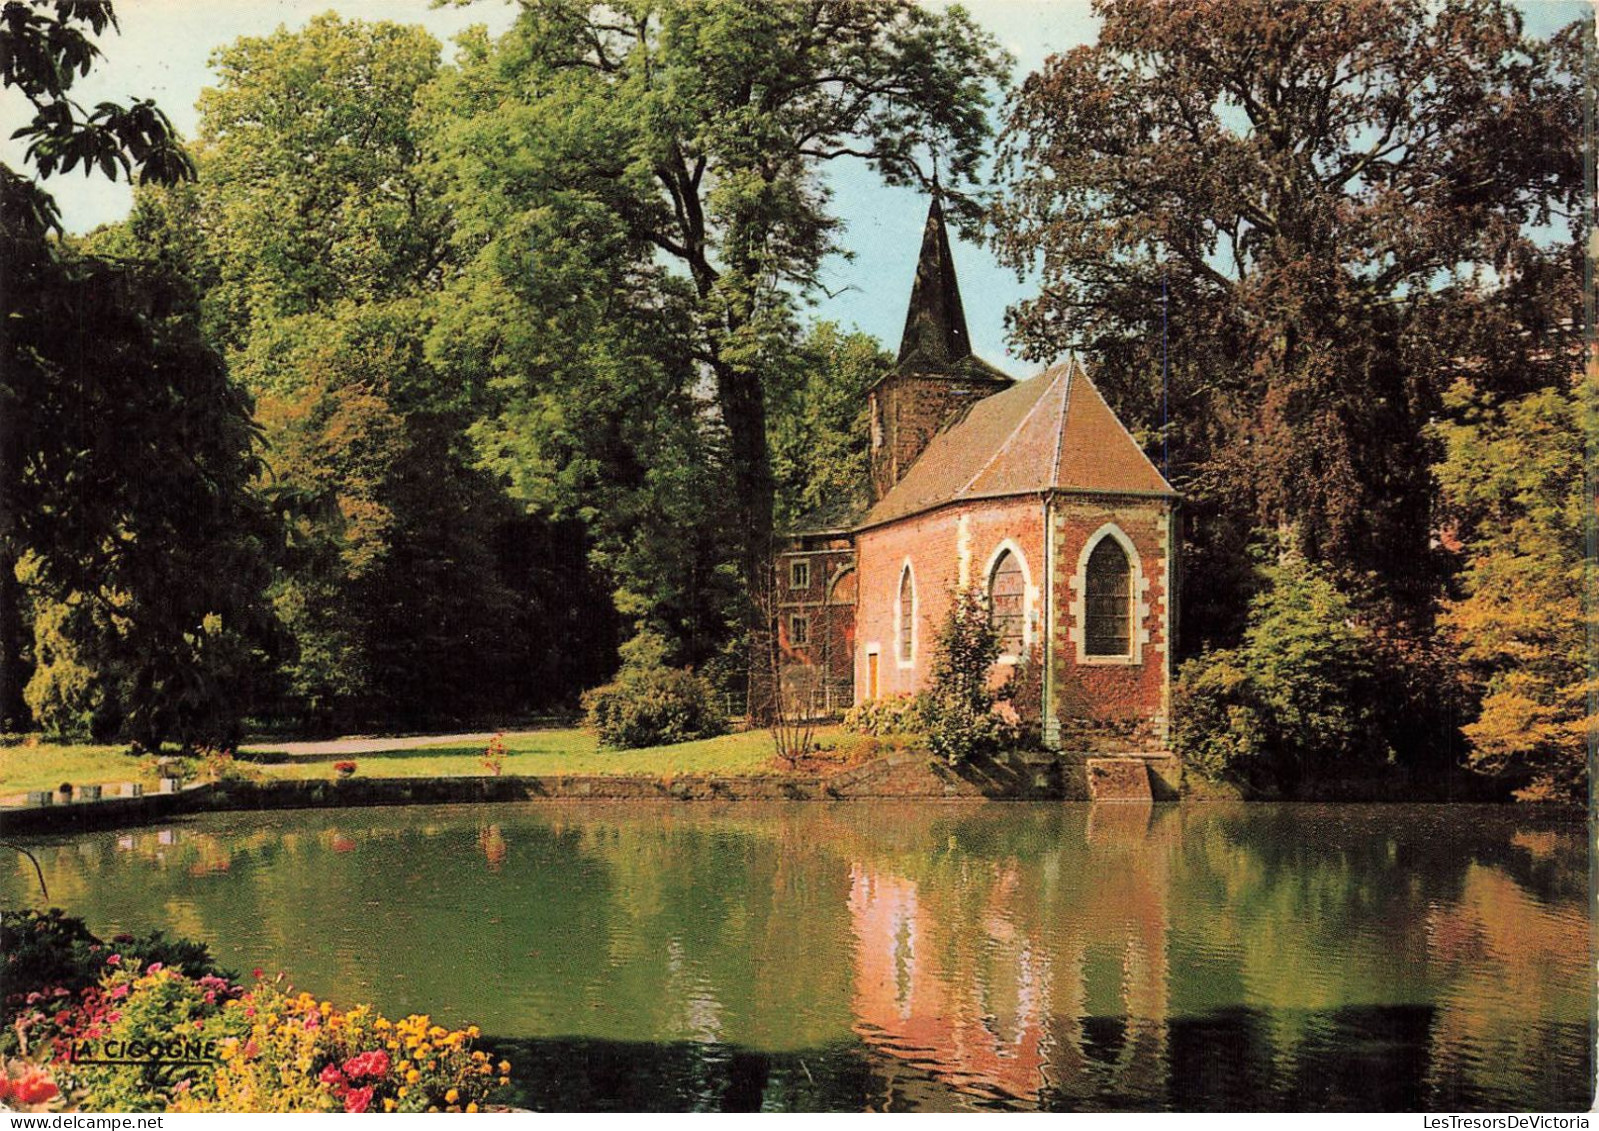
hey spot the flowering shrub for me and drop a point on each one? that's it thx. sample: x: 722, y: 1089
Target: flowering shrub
x: 494, y: 755
x: 156, y: 1008
x: 896, y: 714
x: 300, y: 1054
x: 202, y: 1042
x: 26, y: 1085
x: 51, y: 954
x: 344, y: 769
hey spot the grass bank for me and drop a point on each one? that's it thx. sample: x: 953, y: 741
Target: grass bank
x: 43, y: 765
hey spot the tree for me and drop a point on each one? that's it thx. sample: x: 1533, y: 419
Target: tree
x: 310, y: 193
x: 1513, y: 488
x: 1293, y: 705
x: 820, y: 445
x: 1340, y: 199
x: 693, y: 134
x: 415, y: 591
x: 962, y: 723
x: 125, y: 454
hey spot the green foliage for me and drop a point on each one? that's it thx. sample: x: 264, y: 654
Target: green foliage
x: 896, y: 714
x: 664, y: 170
x: 1513, y: 487
x: 46, y: 950
x: 961, y: 722
x: 652, y: 705
x: 1322, y: 191
x: 820, y: 444
x: 47, y: 46
x: 125, y: 452
x: 1296, y: 702
x: 309, y: 190
x: 159, y: 1007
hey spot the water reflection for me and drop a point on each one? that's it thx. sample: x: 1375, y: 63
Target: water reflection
x: 812, y: 957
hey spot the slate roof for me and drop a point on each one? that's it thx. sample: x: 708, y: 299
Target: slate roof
x: 1052, y: 432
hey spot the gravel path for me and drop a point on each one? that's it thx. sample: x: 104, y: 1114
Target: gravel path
x: 366, y: 744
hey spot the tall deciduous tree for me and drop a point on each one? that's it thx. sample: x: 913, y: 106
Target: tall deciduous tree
x: 692, y: 136
x: 415, y: 591
x: 1513, y: 490
x: 1340, y: 199
x: 125, y: 451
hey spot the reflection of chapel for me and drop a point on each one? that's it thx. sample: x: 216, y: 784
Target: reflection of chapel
x: 1032, y: 491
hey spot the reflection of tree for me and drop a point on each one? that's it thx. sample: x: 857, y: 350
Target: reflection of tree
x: 1055, y: 955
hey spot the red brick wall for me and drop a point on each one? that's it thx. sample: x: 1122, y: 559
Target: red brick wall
x: 1101, y: 706
x: 935, y: 544
x: 829, y: 603
x: 1110, y: 706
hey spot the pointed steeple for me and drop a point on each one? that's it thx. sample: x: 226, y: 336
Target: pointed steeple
x: 935, y: 339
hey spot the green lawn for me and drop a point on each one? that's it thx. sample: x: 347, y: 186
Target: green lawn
x: 540, y: 753
x: 46, y: 765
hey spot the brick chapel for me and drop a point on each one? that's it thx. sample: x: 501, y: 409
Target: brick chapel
x: 1032, y: 491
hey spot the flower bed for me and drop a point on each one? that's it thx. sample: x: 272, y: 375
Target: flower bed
x: 98, y: 1026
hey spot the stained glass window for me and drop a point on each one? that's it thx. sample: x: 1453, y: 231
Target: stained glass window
x: 1006, y: 597
x: 1108, y: 601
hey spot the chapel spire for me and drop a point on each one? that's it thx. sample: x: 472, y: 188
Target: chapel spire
x: 935, y: 338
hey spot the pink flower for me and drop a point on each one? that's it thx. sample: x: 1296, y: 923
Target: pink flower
x: 154, y: 967
x: 331, y: 1076
x: 118, y: 992
x: 357, y: 1100
x: 114, y: 960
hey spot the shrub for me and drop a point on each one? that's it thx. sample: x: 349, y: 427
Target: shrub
x: 962, y: 724
x: 896, y: 714
x: 1296, y: 702
x: 653, y: 707
x: 50, y: 951
x: 277, y: 1050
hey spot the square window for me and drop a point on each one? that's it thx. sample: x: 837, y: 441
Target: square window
x: 799, y: 629
x: 799, y: 574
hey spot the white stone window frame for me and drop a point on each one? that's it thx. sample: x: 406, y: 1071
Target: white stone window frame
x: 906, y: 570
x: 796, y: 567
x: 1138, y: 634
x: 1029, y: 598
x: 795, y: 622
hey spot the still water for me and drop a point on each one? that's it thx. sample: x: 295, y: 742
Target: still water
x: 669, y: 957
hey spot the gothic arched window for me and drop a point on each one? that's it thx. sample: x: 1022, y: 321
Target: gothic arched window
x: 1007, y: 588
x: 907, y: 615
x: 1108, y: 601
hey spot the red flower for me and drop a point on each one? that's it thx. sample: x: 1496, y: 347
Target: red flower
x: 332, y: 1076
x: 34, y: 1088
x: 374, y: 1063
x: 357, y: 1100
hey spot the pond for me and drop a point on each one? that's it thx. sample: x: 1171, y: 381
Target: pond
x: 913, y: 956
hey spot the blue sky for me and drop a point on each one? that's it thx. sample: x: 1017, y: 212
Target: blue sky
x: 164, y: 47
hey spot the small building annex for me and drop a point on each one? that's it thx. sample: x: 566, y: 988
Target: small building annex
x: 1032, y: 491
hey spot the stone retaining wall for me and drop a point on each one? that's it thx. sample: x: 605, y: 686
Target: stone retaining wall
x: 903, y: 775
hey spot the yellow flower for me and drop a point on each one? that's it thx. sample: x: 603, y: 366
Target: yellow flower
x: 403, y: 1091
x: 480, y: 1055
x: 388, y: 1105
x: 473, y: 1031
x: 505, y: 1066
x: 505, y: 1079
x: 471, y: 1108
x: 412, y: 1076
x: 451, y: 1096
